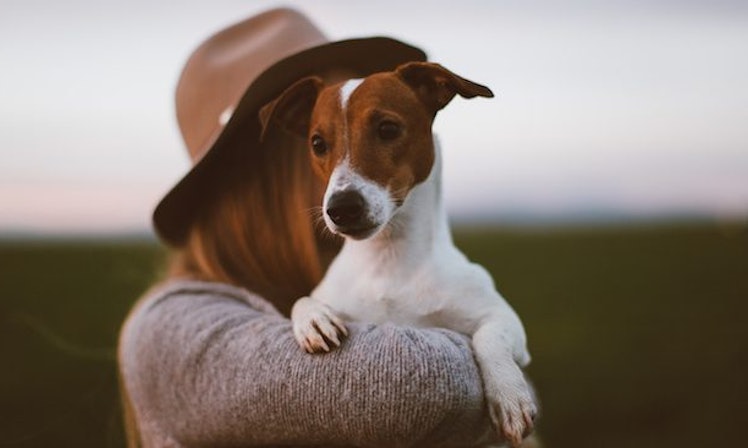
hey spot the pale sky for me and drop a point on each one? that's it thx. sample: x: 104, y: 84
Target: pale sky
x: 632, y: 107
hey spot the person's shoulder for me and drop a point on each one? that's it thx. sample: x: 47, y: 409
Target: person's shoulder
x: 179, y: 295
x: 186, y: 288
x: 179, y: 303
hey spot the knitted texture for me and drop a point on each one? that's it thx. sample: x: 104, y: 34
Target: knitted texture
x: 208, y: 364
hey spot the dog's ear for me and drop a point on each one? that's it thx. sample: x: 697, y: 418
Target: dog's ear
x: 436, y: 86
x: 292, y: 109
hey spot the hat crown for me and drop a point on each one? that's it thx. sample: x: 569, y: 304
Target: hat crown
x: 219, y: 71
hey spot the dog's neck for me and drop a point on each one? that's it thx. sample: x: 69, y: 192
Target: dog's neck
x: 418, y: 228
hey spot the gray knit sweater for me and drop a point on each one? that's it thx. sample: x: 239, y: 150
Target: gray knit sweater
x: 208, y: 364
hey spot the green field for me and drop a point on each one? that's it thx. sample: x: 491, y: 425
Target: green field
x: 639, y: 335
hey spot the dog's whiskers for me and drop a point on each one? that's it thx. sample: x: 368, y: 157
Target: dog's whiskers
x: 315, y: 212
x: 398, y: 194
x: 318, y: 223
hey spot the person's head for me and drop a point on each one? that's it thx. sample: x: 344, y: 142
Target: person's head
x: 244, y: 214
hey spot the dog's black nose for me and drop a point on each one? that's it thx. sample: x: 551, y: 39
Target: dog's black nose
x: 346, y: 208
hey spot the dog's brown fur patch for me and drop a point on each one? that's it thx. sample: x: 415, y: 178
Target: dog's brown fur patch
x: 396, y: 164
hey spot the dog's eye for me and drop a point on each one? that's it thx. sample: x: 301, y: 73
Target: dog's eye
x: 388, y: 130
x: 318, y: 145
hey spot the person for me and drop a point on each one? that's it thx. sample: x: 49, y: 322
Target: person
x: 207, y: 357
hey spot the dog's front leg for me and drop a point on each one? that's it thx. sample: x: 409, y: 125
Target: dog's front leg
x: 315, y: 325
x: 510, y: 401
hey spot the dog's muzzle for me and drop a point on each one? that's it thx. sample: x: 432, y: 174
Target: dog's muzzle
x: 347, y: 209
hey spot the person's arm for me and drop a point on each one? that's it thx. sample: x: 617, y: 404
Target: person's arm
x: 206, y: 364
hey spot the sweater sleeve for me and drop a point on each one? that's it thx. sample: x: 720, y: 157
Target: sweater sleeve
x: 206, y: 364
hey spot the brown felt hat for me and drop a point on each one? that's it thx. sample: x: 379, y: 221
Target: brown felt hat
x: 230, y: 76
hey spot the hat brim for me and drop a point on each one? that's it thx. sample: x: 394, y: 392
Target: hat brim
x: 174, y: 215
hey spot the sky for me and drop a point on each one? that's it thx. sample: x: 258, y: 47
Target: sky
x: 634, y: 109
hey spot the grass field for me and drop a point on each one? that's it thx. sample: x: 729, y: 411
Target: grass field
x: 639, y: 335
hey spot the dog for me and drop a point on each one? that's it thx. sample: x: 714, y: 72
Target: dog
x: 371, y: 142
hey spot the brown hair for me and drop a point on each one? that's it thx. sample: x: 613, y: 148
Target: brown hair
x: 258, y: 232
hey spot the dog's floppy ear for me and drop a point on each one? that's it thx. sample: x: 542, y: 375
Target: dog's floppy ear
x: 436, y: 86
x: 292, y: 109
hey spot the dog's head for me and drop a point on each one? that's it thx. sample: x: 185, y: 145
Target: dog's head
x: 370, y: 138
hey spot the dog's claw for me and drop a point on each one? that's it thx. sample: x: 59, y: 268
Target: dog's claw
x: 512, y: 411
x: 514, y: 424
x: 316, y: 328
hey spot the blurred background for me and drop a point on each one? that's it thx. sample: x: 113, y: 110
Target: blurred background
x: 605, y: 188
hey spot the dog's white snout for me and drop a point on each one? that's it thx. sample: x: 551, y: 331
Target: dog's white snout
x: 354, y: 205
x: 346, y: 208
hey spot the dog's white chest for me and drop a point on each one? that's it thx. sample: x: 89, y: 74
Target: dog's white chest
x: 435, y: 294
x: 377, y: 309
x: 369, y: 296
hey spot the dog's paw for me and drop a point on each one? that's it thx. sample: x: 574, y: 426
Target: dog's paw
x: 512, y: 408
x: 315, y: 326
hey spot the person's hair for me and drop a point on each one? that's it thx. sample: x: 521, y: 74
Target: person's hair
x: 258, y: 232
